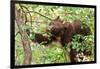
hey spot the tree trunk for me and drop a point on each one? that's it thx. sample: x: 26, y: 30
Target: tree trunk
x: 24, y: 37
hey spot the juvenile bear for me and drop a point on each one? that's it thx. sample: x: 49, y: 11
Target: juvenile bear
x: 65, y: 30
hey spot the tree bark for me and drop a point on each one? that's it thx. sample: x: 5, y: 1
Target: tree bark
x: 24, y: 38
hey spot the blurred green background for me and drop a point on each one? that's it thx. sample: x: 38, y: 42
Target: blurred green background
x: 53, y: 53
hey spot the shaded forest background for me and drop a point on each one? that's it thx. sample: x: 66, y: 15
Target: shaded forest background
x: 36, y: 19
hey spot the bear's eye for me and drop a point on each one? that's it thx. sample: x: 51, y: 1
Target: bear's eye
x: 56, y: 32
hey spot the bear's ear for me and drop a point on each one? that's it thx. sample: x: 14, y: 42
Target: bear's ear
x: 58, y: 17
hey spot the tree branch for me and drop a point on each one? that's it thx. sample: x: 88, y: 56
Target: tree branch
x: 24, y: 38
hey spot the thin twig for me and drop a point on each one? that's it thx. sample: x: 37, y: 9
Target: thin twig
x: 26, y: 12
x: 39, y: 14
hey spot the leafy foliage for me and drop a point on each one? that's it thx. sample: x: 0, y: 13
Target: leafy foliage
x: 53, y: 53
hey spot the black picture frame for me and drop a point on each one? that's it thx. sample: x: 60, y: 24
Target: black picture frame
x: 12, y: 31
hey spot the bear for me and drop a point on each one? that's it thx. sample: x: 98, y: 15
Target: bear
x: 63, y: 32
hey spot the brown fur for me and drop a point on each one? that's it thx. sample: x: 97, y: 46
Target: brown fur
x: 63, y: 32
x: 66, y: 30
